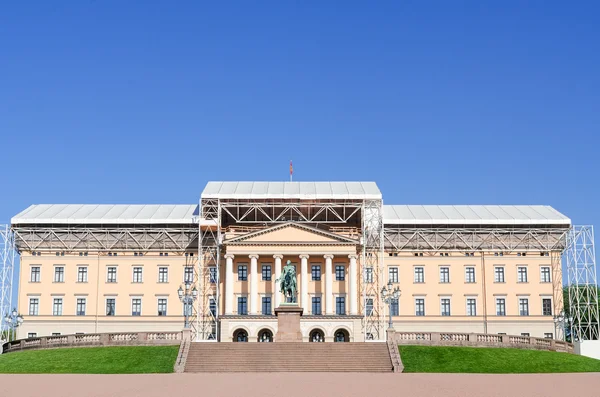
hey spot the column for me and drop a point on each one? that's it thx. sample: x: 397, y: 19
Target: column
x: 304, y: 281
x: 253, y: 284
x: 328, y: 284
x: 276, y: 292
x: 353, y: 285
x: 229, y: 284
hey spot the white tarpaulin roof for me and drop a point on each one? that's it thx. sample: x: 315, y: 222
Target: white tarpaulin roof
x: 106, y: 214
x: 292, y: 190
x: 473, y: 215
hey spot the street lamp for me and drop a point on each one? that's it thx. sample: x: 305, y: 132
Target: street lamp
x: 390, y: 296
x: 187, y: 297
x: 559, y: 324
x: 14, y: 319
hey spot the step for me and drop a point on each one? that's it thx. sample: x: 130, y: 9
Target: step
x: 275, y: 357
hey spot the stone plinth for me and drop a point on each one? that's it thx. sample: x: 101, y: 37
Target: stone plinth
x: 288, y: 323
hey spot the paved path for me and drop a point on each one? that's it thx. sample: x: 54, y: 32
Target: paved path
x: 301, y: 384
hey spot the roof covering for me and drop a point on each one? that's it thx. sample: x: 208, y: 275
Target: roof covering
x: 107, y: 214
x: 473, y: 215
x: 292, y: 190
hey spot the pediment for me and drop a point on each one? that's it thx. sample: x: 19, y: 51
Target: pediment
x: 291, y: 233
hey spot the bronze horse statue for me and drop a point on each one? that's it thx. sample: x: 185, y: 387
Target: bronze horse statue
x: 287, y: 282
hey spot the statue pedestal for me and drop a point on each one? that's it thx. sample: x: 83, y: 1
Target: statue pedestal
x: 288, y: 323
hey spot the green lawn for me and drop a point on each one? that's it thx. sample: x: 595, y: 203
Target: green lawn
x: 91, y: 360
x: 492, y: 360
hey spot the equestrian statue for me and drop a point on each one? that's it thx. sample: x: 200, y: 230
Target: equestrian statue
x: 287, y: 282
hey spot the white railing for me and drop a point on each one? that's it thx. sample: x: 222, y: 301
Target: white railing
x: 479, y: 340
x: 107, y: 339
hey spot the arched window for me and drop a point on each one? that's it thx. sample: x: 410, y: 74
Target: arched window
x: 341, y: 335
x: 316, y: 336
x: 240, y: 335
x: 265, y: 335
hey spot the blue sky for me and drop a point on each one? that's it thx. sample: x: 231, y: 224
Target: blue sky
x: 462, y: 102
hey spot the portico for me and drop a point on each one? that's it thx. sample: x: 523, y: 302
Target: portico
x: 326, y: 263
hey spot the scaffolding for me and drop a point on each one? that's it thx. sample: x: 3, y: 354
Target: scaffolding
x: 372, y: 270
x: 206, y: 318
x: 583, y: 317
x: 8, y: 256
x: 98, y: 238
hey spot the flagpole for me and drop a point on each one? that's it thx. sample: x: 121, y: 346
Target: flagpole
x: 291, y: 170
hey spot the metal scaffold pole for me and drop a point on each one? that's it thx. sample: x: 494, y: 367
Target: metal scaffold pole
x: 8, y: 255
x: 209, y: 253
x: 583, y: 317
x: 372, y: 270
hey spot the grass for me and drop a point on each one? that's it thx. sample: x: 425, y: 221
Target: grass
x: 492, y: 360
x: 91, y: 360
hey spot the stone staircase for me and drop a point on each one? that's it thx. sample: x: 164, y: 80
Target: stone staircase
x: 288, y: 357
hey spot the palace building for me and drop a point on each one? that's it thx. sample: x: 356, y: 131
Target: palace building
x: 466, y: 268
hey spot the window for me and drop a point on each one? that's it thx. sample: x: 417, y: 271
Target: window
x: 35, y: 274
x: 57, y: 307
x: 500, y: 307
x: 80, y: 307
x: 111, y: 275
x: 369, y: 306
x: 499, y: 274
x: 212, y: 275
x: 340, y: 305
x: 242, y: 305
x: 110, y: 306
x: 34, y: 306
x: 419, y: 274
x: 419, y: 307
x: 523, y: 307
x: 340, y: 273
x: 546, y: 307
x: 524, y: 333
x: 137, y: 274
x: 545, y: 274
x: 163, y: 274
x: 548, y: 335
x: 393, y: 274
x: 444, y: 274
x: 242, y: 272
x: 469, y: 274
x: 316, y: 305
x: 136, y: 307
x: 188, y: 275
x: 316, y: 272
x: 521, y: 274
x: 32, y: 335
x: 266, y: 305
x: 212, y: 306
x: 395, y: 308
x: 82, y: 274
x: 59, y: 274
x: 266, y: 272
x: 471, y: 307
x: 369, y: 275
x: 56, y: 334
x: 445, y: 306
x: 162, y: 307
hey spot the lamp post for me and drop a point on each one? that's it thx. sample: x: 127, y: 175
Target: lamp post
x: 389, y: 294
x: 559, y: 323
x: 187, y: 296
x: 14, y: 319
